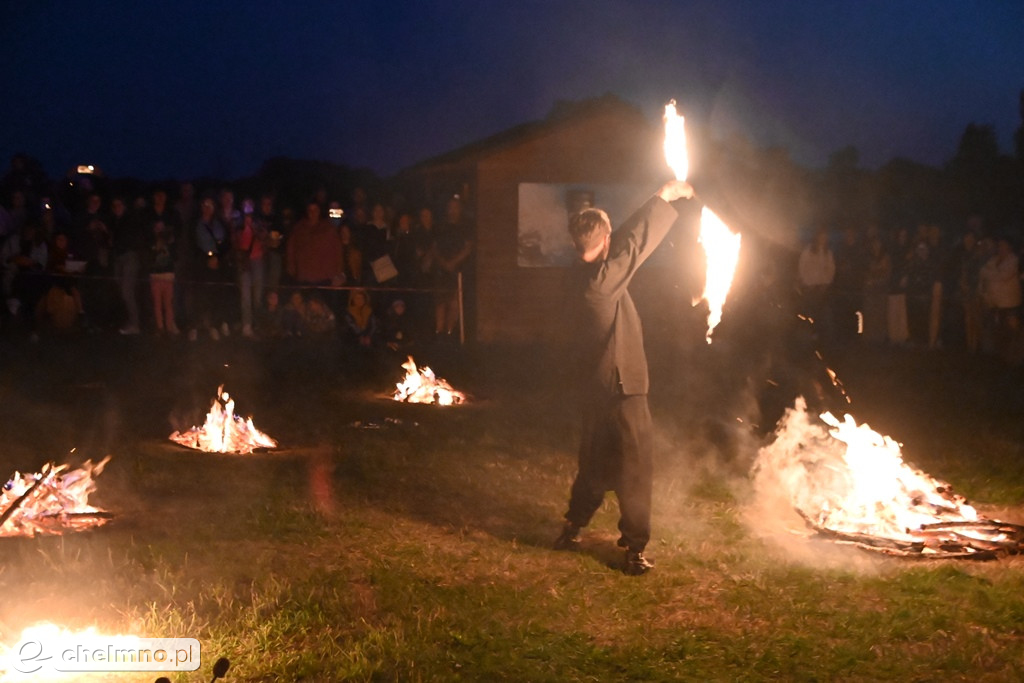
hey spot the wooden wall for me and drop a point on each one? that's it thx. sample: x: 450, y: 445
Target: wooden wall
x: 517, y: 304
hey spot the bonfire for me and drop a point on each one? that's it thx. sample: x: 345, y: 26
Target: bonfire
x: 223, y: 431
x: 421, y: 386
x: 851, y: 485
x: 51, y: 501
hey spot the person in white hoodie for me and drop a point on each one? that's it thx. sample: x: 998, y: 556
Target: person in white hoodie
x: 815, y: 271
x: 999, y: 282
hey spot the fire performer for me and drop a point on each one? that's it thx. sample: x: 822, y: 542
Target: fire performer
x: 616, y: 449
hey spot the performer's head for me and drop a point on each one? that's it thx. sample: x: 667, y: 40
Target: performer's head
x: 591, y: 233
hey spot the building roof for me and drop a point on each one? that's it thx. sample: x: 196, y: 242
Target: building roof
x: 563, y: 113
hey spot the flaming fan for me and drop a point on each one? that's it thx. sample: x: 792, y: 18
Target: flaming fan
x: 720, y: 244
x: 421, y: 386
x: 224, y: 432
x: 51, y: 501
x: 851, y: 485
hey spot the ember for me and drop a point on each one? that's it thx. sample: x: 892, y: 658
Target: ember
x: 51, y: 501
x: 224, y: 432
x: 421, y: 386
x: 851, y: 485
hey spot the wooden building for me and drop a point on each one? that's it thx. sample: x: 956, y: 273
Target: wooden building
x: 604, y: 142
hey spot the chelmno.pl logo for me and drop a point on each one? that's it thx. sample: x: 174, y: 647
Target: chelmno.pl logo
x: 48, y: 649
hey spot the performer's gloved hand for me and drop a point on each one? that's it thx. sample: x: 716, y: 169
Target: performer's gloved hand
x: 675, y: 189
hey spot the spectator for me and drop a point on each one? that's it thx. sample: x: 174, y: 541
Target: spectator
x: 24, y: 175
x: 877, y: 276
x: 230, y: 217
x: 816, y: 270
x: 335, y: 214
x: 127, y: 244
x: 247, y: 242
x: 186, y: 263
x: 320, y: 197
x: 452, y: 248
x: 848, y: 283
x: 228, y: 214
x: 403, y: 252
x: 287, y: 225
x: 361, y: 329
x: 27, y: 257
x: 162, y: 252
x: 186, y: 207
x: 314, y: 253
x: 896, y: 313
x: 965, y: 300
x: 357, y: 219
x: 319, y: 320
x: 351, y: 257
x: 98, y: 244
x: 1001, y: 294
x: 160, y: 211
x: 359, y: 202
x: 81, y: 245
x: 378, y: 234
x: 89, y: 241
x: 424, y: 237
x: 270, y: 318
x: 395, y: 329
x: 18, y: 212
x: 212, y: 241
x: 920, y: 276
x: 938, y: 256
x: 293, y: 316
x: 60, y: 308
x: 270, y: 225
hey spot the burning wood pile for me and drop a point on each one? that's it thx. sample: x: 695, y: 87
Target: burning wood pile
x: 224, y: 432
x: 52, y: 501
x: 421, y: 386
x: 850, y: 485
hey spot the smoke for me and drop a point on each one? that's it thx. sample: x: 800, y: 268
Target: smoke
x: 722, y: 449
x: 794, y: 471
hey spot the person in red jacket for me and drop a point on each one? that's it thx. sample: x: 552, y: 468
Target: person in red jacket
x: 314, y: 251
x: 616, y: 448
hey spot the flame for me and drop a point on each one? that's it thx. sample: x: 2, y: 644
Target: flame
x: 51, y: 501
x: 224, y: 432
x: 848, y: 478
x: 721, y: 253
x: 721, y: 245
x: 57, y: 639
x: 675, y: 142
x: 421, y: 386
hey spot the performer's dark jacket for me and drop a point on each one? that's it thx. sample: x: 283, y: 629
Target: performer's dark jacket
x: 612, y: 355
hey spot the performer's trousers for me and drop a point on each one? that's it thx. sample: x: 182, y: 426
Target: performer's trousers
x: 615, y: 455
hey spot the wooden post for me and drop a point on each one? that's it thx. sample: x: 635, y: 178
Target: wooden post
x: 462, y: 322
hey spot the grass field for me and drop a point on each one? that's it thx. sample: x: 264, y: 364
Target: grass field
x: 417, y: 547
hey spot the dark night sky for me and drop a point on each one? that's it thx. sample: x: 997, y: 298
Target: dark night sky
x: 157, y: 89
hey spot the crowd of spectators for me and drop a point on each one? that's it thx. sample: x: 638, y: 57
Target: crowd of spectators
x: 919, y: 289
x: 177, y: 264
x: 182, y: 264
